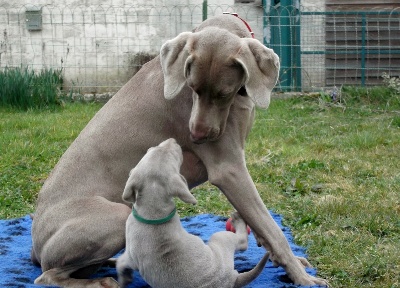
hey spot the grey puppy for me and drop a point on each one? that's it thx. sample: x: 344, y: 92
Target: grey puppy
x: 156, y: 243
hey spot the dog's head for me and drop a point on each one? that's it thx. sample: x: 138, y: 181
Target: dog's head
x: 157, y: 175
x: 218, y: 66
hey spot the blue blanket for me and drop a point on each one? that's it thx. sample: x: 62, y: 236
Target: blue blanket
x: 17, y: 271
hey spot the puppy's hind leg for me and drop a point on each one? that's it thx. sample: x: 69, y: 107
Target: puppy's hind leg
x: 124, y: 270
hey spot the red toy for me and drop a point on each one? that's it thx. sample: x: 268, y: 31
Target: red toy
x: 229, y: 226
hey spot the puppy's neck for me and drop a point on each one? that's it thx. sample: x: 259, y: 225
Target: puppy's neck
x: 153, y: 210
x: 153, y: 221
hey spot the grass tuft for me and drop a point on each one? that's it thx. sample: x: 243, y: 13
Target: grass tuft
x: 24, y: 89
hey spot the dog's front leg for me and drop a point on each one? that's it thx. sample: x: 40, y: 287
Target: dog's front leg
x: 233, y: 179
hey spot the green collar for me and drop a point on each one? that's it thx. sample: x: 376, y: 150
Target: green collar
x: 155, y: 221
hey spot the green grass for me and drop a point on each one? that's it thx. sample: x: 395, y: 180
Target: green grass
x: 335, y: 176
x: 331, y: 169
x: 31, y: 143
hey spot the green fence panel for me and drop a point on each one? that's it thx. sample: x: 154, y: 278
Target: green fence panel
x: 282, y: 20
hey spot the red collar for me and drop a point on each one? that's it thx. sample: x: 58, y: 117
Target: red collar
x: 244, y: 21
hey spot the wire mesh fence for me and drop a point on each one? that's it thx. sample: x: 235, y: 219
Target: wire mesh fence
x: 334, y: 48
x: 359, y: 46
x: 98, y: 48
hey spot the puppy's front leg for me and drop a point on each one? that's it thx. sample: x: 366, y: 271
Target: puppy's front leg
x: 241, y: 231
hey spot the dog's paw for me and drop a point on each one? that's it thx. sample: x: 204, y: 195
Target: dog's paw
x: 41, y: 280
x: 109, y: 282
x: 304, y: 261
x: 309, y: 280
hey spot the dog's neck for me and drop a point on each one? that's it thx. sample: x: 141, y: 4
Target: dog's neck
x: 244, y: 21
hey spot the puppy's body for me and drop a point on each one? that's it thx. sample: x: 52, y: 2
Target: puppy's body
x: 165, y: 254
x: 168, y: 256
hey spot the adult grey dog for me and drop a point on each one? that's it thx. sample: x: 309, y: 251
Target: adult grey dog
x: 202, y: 91
x: 156, y: 243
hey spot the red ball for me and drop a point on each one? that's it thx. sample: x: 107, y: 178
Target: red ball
x: 229, y: 226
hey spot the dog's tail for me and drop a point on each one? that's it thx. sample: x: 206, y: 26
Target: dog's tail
x: 246, y: 277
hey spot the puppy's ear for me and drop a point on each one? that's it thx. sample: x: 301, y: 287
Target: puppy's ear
x: 180, y: 189
x: 129, y: 194
x: 173, y: 57
x: 261, y: 66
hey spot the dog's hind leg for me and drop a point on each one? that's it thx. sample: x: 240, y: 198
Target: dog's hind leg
x: 34, y: 259
x: 83, y: 243
x: 61, y: 277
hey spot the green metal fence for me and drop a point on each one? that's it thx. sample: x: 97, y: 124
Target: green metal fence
x: 283, y: 24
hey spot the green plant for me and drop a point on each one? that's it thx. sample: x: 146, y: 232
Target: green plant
x: 373, y: 98
x: 24, y: 88
x: 136, y: 61
x: 391, y: 82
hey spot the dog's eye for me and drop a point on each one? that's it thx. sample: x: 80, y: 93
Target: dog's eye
x: 242, y: 91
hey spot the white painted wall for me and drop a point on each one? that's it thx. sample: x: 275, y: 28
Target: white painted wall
x: 95, y: 42
x: 98, y: 42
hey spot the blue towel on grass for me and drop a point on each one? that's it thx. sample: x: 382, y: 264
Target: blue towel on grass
x: 17, y: 271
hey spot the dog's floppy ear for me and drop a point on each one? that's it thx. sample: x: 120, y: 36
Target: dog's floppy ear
x: 179, y: 188
x: 173, y: 56
x: 129, y: 194
x: 261, y: 66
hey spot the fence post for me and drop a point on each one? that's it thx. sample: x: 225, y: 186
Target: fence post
x: 285, y: 43
x: 363, y: 52
x: 296, y: 47
x: 282, y: 34
x: 205, y: 12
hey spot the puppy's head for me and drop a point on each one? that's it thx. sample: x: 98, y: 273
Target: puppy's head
x: 157, y: 174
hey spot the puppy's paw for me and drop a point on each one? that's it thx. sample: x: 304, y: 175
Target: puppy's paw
x: 238, y: 222
x: 236, y: 217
